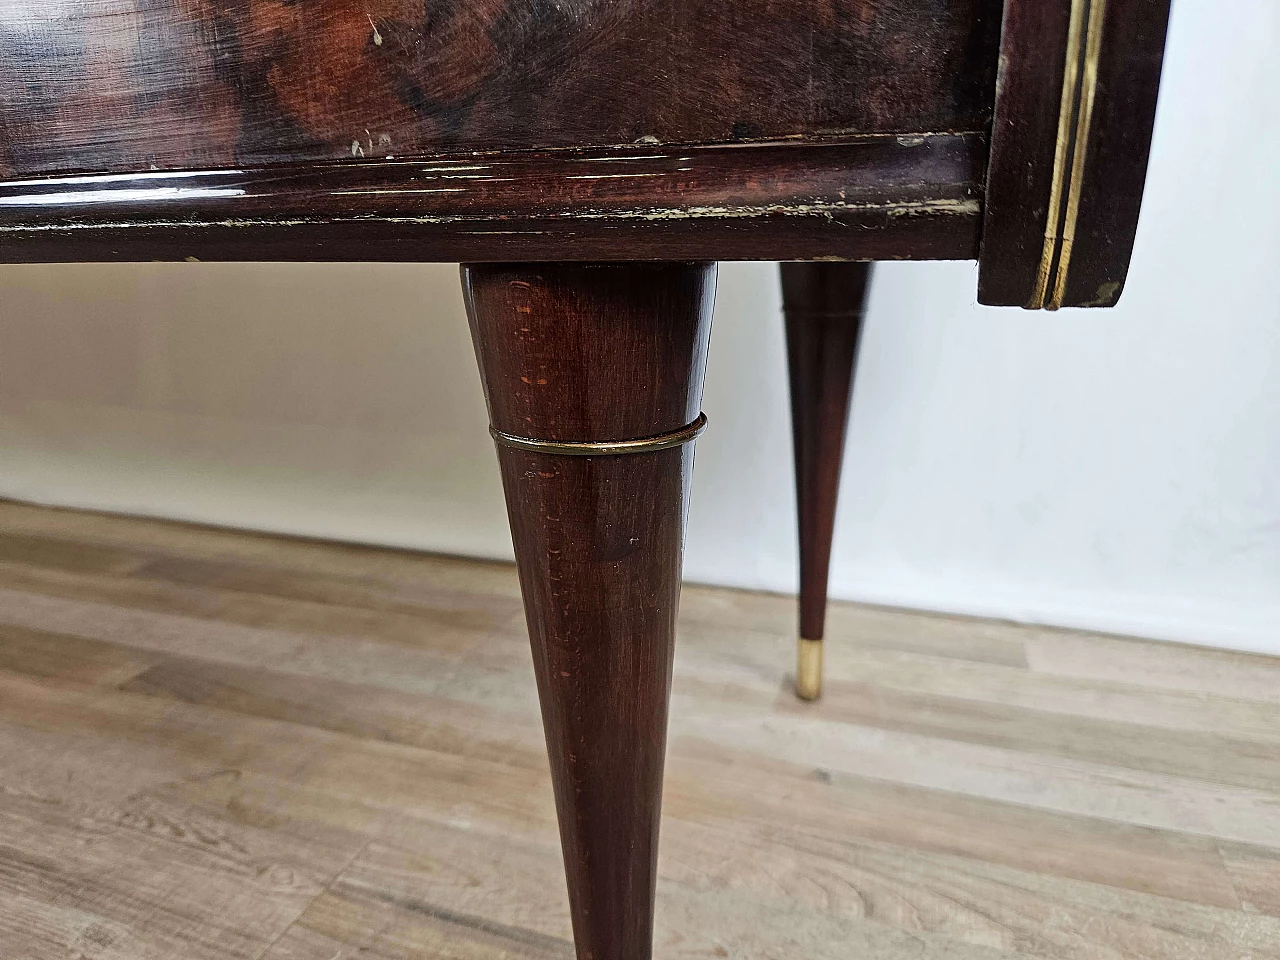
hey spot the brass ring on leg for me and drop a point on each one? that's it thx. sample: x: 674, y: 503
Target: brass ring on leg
x: 608, y: 448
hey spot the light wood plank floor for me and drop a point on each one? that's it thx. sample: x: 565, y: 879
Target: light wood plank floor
x: 218, y: 745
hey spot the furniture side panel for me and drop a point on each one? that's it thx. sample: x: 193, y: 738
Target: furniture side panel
x: 1111, y: 197
x: 1023, y: 135
x: 1075, y: 109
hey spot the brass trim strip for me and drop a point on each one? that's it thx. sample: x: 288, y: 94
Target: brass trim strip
x: 608, y: 448
x: 1061, y: 153
x: 1088, y: 95
x: 1079, y: 90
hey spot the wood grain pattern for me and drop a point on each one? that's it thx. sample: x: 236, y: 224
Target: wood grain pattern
x: 392, y: 130
x: 914, y: 196
x: 110, y: 85
x: 233, y: 777
x: 589, y: 353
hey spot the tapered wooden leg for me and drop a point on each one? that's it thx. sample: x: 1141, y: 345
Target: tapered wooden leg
x: 575, y: 355
x: 824, y: 305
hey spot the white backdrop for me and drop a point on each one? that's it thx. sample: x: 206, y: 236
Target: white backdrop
x: 1115, y: 470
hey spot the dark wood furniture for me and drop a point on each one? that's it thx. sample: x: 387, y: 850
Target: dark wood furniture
x: 824, y: 305
x: 602, y: 154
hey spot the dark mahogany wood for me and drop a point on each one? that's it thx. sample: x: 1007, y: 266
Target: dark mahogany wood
x: 742, y: 129
x: 595, y: 353
x: 1115, y: 68
x: 871, y: 196
x: 1024, y: 135
x: 118, y: 85
x: 1119, y: 148
x: 530, y: 131
x: 824, y: 305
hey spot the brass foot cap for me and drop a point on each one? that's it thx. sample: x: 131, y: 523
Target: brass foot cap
x: 808, y: 669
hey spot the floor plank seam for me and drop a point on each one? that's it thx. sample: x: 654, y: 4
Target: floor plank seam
x: 320, y: 893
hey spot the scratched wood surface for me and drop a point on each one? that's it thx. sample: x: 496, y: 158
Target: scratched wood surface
x: 122, y: 85
x: 874, y: 197
x: 215, y: 744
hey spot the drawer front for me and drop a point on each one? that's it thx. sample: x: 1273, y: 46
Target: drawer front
x: 108, y: 85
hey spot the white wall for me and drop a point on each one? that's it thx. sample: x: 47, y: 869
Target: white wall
x: 1115, y: 470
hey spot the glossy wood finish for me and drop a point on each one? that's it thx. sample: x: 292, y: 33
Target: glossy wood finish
x: 870, y: 196
x: 824, y: 305
x: 115, y: 85
x: 1113, y: 79
x: 269, y: 129
x: 593, y: 353
x: 527, y: 131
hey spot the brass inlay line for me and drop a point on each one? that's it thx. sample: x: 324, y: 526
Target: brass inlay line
x: 1088, y: 94
x: 1079, y: 89
x: 1061, y: 153
x: 608, y: 448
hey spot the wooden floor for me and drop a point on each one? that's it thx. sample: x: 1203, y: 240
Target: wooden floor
x: 220, y: 745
